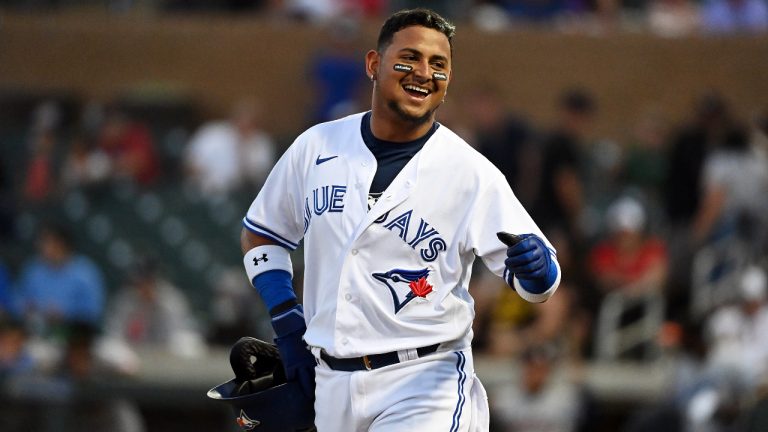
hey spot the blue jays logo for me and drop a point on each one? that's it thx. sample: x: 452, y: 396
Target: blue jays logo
x: 405, y: 285
x: 246, y: 423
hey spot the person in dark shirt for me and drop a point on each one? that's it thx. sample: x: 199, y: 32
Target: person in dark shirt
x: 561, y: 192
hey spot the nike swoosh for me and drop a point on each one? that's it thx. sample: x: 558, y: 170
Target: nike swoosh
x: 323, y: 160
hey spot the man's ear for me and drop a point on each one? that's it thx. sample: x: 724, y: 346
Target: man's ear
x: 372, y: 60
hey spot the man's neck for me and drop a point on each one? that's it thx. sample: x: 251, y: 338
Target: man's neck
x: 393, y: 129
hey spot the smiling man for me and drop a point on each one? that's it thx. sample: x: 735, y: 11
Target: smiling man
x: 393, y: 209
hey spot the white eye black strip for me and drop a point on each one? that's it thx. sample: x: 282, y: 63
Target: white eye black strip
x: 439, y: 76
x: 402, y: 67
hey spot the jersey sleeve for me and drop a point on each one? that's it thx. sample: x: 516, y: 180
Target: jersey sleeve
x: 277, y: 211
x: 498, y: 209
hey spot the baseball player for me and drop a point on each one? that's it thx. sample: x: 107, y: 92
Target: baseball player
x: 393, y: 208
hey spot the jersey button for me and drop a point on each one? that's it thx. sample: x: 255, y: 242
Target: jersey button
x: 354, y: 251
x: 364, y: 163
x: 348, y: 297
x: 344, y: 341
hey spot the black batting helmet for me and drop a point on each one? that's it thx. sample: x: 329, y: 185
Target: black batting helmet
x: 260, y: 396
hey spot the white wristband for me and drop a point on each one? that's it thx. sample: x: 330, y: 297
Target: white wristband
x: 265, y: 258
x: 537, y: 298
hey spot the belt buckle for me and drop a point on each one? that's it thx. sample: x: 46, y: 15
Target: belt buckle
x: 367, y: 362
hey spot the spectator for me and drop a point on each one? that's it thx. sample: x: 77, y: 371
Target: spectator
x: 130, y: 148
x: 515, y: 325
x: 505, y: 139
x: 561, y: 197
x: 8, y: 205
x: 60, y: 286
x: 39, y: 181
x: 537, y: 11
x: 757, y: 414
x: 313, y: 11
x: 673, y: 18
x: 15, y: 357
x: 84, y: 166
x: 80, y: 365
x: 734, y: 174
x: 151, y: 313
x: 645, y: 162
x: 225, y: 155
x: 542, y: 400
x: 450, y: 9
x: 735, y: 16
x: 738, y: 334
x: 8, y: 298
x: 682, y: 191
x: 689, y: 378
x: 629, y: 259
x: 235, y: 311
x: 336, y: 73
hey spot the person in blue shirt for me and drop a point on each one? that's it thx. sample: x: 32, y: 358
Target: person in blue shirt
x: 59, y: 286
x: 8, y: 304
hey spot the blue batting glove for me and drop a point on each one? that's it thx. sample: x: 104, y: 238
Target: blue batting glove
x: 530, y: 260
x: 298, y: 361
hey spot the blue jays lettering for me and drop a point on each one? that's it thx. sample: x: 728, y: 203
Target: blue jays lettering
x: 330, y: 199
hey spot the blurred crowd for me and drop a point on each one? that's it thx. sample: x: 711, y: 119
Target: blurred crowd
x: 668, y: 18
x: 662, y: 238
x: 662, y: 235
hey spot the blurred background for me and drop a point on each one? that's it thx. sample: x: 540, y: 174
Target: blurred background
x: 135, y: 133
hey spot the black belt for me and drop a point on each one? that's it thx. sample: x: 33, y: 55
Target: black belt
x: 369, y: 362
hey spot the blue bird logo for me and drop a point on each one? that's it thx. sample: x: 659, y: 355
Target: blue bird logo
x: 410, y: 282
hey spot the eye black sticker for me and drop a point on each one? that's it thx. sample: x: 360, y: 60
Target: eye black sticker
x: 402, y: 67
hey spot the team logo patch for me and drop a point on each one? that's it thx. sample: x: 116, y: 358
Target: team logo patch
x: 405, y: 285
x: 246, y: 423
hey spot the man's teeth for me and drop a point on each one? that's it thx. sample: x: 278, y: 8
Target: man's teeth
x: 418, y: 89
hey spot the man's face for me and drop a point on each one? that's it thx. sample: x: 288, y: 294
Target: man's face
x: 52, y: 248
x: 411, y: 96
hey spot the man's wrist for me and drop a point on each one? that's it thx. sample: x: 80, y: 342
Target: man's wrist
x: 289, y: 322
x: 275, y: 288
x: 283, y: 307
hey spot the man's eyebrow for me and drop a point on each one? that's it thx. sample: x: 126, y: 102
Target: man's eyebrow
x: 419, y: 53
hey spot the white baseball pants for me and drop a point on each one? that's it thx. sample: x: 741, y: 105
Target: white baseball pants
x: 436, y: 393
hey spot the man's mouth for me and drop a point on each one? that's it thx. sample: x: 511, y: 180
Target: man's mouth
x: 416, y: 91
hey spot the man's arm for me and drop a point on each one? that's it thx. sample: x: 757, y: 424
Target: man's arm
x: 269, y: 269
x: 249, y: 240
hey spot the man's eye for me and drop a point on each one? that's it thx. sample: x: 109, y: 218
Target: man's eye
x: 439, y: 65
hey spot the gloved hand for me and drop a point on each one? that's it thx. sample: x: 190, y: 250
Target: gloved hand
x: 298, y: 361
x: 530, y: 260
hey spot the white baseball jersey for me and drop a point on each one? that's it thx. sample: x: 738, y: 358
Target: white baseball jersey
x: 394, y: 277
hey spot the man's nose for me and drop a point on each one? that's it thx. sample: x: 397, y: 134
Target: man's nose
x: 421, y: 71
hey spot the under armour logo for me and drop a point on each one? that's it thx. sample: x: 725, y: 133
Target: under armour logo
x: 263, y: 258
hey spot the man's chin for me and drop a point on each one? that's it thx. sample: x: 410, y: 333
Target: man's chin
x: 413, y: 118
